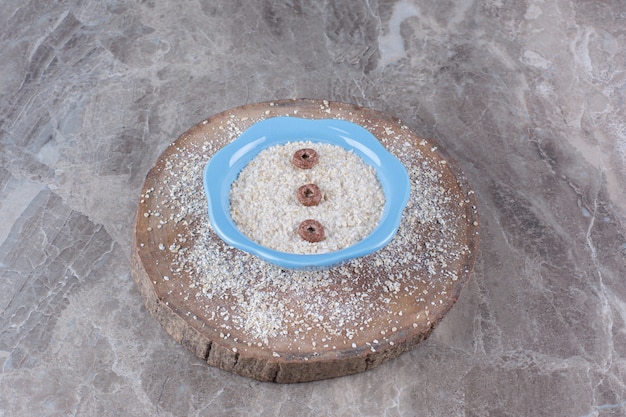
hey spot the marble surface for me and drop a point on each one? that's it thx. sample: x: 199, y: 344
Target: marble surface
x: 528, y: 96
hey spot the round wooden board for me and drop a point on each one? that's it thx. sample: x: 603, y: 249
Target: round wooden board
x: 254, y: 319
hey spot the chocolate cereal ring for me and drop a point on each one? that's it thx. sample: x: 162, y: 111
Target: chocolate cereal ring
x: 305, y: 158
x: 311, y: 231
x: 309, y: 195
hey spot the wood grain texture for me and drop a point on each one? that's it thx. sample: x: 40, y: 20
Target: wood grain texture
x: 403, y: 300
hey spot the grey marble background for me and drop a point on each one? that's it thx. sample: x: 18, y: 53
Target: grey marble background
x: 528, y: 96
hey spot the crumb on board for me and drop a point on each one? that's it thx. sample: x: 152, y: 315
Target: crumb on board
x: 237, y: 293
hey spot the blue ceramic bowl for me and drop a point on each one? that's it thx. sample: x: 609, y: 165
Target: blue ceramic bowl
x: 226, y: 164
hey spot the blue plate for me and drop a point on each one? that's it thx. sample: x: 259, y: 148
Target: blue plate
x: 226, y: 164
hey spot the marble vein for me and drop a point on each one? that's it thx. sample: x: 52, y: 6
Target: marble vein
x: 528, y: 96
